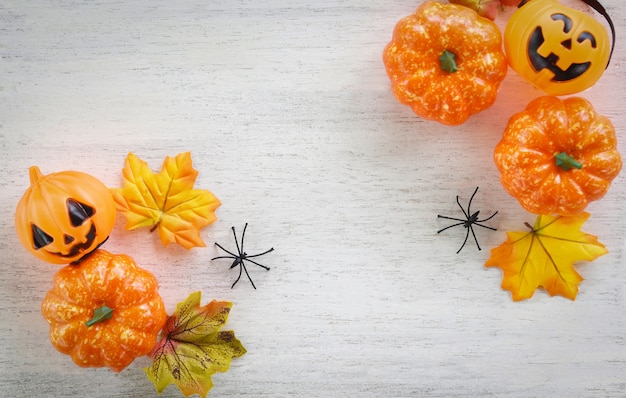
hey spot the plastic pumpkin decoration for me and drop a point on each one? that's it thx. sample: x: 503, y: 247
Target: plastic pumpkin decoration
x: 445, y: 62
x: 64, y: 216
x: 105, y: 311
x: 557, y: 156
x: 558, y: 49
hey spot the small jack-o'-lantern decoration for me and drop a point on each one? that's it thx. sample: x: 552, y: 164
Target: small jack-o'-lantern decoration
x: 560, y: 50
x: 64, y: 216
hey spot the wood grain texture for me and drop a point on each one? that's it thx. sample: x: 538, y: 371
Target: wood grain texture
x: 287, y: 110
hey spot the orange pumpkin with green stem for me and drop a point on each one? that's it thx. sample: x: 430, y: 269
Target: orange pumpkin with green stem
x: 445, y: 62
x: 105, y: 311
x: 557, y: 156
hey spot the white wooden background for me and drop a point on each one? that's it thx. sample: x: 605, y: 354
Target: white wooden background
x: 287, y: 110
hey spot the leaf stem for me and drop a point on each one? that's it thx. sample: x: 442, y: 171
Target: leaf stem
x: 567, y: 162
x: 448, y: 61
x: 100, y: 314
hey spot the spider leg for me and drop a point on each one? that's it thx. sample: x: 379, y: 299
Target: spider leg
x: 239, y: 277
x: 485, y: 226
x: 260, y: 254
x: 488, y: 218
x: 461, y: 207
x: 227, y: 251
x: 250, y: 279
x: 217, y: 258
x: 239, y: 250
x: 450, y: 218
x: 243, y: 234
x: 260, y: 265
x: 450, y: 226
x: 475, y: 240
x: 469, y: 204
x: 464, y: 241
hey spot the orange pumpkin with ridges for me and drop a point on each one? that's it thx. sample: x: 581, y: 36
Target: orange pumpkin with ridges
x: 105, y: 311
x: 558, y: 155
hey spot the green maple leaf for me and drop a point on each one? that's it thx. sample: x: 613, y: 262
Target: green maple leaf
x: 192, y: 348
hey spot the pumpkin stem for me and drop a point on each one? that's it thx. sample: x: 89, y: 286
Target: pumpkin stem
x: 100, y: 315
x: 35, y: 174
x: 566, y: 162
x: 448, y: 61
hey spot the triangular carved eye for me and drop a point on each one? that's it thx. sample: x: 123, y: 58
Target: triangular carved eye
x: 78, y: 212
x: 40, y: 238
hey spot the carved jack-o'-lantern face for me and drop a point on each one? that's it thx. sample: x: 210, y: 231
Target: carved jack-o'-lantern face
x: 64, y: 216
x: 560, y: 50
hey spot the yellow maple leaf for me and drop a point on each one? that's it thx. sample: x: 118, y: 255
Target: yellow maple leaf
x: 165, y: 201
x: 545, y: 256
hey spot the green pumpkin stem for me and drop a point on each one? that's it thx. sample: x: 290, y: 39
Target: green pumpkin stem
x: 100, y: 315
x: 448, y: 61
x: 566, y: 162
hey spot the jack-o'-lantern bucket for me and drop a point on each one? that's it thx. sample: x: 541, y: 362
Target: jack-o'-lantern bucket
x: 559, y: 49
x: 64, y: 216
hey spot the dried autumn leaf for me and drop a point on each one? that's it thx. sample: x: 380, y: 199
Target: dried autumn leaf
x: 484, y: 8
x: 545, y: 256
x: 166, y: 201
x: 192, y: 347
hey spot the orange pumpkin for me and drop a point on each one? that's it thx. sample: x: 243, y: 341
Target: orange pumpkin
x: 445, y: 62
x: 558, y: 49
x: 105, y: 311
x: 557, y: 156
x: 64, y: 216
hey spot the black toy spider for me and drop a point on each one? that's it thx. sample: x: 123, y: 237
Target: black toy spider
x: 470, y: 219
x: 241, y: 256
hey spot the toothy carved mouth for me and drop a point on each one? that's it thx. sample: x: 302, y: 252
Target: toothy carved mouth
x: 539, y: 62
x: 81, y: 247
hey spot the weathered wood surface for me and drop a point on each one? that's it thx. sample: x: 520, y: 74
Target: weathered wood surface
x: 286, y: 108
